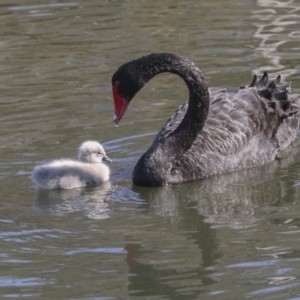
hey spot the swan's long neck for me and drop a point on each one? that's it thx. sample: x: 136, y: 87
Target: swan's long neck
x: 156, y: 165
x: 182, y: 138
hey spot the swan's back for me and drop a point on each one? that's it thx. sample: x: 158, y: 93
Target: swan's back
x: 243, y: 130
x: 68, y: 174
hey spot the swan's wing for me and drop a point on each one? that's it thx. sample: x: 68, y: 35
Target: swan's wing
x: 262, y: 118
x: 262, y: 114
x: 243, y: 130
x: 215, y: 91
x: 177, y: 117
x: 172, y: 122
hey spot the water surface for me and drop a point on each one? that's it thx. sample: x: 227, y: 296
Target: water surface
x: 231, y: 237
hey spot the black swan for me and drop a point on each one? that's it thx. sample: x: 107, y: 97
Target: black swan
x: 68, y: 174
x: 214, y: 132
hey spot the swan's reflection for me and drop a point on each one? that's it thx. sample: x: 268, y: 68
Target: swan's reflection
x: 202, y: 216
x: 92, y: 201
x: 233, y: 200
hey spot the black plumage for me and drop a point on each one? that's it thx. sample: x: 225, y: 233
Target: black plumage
x: 215, y: 131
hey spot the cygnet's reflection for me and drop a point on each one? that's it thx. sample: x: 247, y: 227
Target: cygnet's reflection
x: 92, y: 201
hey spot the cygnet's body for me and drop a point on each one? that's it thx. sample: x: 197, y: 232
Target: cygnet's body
x: 68, y: 174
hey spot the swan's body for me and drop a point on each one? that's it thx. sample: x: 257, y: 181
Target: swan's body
x: 68, y: 174
x: 214, y: 132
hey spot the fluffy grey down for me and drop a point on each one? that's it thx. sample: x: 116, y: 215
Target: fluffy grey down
x: 68, y: 174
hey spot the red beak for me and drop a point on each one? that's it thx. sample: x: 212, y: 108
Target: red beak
x: 120, y: 105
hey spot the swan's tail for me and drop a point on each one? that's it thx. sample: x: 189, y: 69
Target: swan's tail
x: 278, y: 96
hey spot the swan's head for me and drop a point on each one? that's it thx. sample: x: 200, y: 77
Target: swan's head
x: 92, y: 152
x: 126, y: 82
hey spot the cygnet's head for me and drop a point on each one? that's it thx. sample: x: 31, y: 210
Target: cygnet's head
x: 92, y: 152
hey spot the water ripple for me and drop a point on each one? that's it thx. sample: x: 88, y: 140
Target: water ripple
x: 96, y: 250
x: 274, y: 289
x: 23, y: 282
x: 254, y: 264
x: 39, y: 6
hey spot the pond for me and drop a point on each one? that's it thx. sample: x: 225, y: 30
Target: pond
x: 230, y: 237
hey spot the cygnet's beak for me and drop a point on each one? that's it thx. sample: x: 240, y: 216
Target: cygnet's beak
x: 106, y: 158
